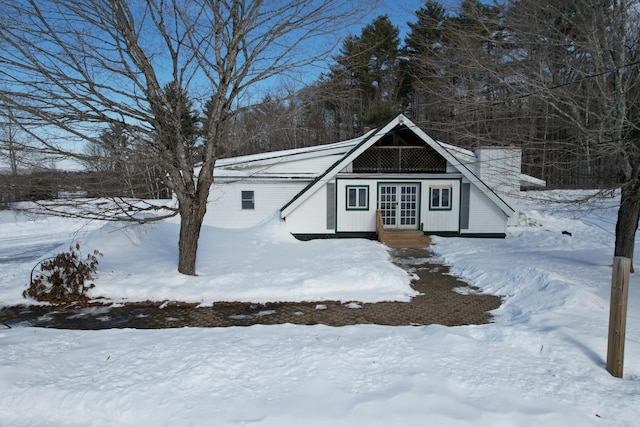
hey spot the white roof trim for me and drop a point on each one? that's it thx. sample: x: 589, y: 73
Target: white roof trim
x: 528, y: 180
x: 445, y: 150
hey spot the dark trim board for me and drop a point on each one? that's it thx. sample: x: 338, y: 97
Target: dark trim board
x: 485, y: 235
x: 370, y: 235
x: 374, y: 236
x: 458, y: 234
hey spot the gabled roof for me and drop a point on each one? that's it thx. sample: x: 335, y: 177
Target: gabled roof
x: 445, y: 150
x: 275, y: 157
x: 308, y: 162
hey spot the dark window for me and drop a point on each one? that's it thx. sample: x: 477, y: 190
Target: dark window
x: 248, y: 201
x: 358, y: 198
x: 440, y: 198
x: 400, y: 160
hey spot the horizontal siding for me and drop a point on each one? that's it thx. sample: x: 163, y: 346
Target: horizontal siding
x: 225, y: 210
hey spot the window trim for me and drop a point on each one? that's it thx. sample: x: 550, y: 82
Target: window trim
x: 332, y: 212
x: 358, y: 206
x: 433, y: 189
x: 465, y: 205
x: 248, y: 200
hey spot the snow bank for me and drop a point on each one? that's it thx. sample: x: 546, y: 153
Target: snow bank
x: 541, y: 363
x: 261, y: 264
x: 285, y: 376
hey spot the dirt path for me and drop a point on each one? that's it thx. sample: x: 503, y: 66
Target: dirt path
x: 444, y: 300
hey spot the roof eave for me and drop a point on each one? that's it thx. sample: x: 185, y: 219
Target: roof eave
x: 371, y: 138
x: 531, y: 181
x: 367, y: 140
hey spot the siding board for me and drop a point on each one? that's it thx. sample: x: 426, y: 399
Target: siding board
x: 224, y: 208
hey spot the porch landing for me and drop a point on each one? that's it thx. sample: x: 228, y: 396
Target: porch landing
x: 400, y: 239
x: 404, y: 239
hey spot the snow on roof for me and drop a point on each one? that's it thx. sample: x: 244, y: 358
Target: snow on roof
x: 272, y: 157
x: 530, y: 181
x: 457, y: 151
x: 336, y: 156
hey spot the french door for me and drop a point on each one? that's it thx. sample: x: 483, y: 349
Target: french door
x: 398, y: 204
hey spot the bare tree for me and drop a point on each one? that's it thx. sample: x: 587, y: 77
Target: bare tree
x: 9, y: 145
x: 73, y: 67
x: 584, y: 70
x: 559, y: 79
x: 14, y: 160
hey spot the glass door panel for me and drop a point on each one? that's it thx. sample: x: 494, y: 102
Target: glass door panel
x: 398, y: 204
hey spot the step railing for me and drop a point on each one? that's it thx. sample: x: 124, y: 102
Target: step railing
x: 379, y: 226
x: 398, y: 237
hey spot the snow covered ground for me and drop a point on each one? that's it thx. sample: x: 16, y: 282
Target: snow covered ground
x: 255, y: 265
x: 541, y: 363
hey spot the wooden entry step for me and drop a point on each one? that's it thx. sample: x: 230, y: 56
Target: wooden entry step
x: 404, y: 239
x: 399, y: 239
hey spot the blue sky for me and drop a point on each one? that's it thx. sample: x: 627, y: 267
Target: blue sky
x: 403, y: 11
x: 399, y: 11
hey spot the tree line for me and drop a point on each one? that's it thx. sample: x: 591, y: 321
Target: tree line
x: 527, y: 73
x: 559, y: 79
x: 153, y: 90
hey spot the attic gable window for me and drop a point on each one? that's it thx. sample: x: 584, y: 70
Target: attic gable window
x: 248, y: 200
x: 404, y: 159
x: 440, y: 198
x: 357, y: 198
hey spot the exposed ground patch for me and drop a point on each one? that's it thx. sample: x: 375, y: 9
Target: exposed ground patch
x: 443, y: 300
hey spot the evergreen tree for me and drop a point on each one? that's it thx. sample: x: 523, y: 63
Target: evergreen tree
x: 427, y: 33
x: 426, y: 49
x: 187, y: 119
x: 369, y: 73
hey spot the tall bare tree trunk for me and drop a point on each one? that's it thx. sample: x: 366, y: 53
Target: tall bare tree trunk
x: 191, y: 218
x: 78, y: 67
x: 193, y: 208
x: 628, y: 216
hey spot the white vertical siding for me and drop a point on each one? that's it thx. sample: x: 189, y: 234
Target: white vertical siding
x: 311, y: 216
x: 441, y: 220
x: 224, y: 208
x: 484, y: 216
x: 356, y: 220
x: 429, y: 220
x: 500, y: 169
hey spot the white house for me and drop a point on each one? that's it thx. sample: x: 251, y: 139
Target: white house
x: 334, y: 190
